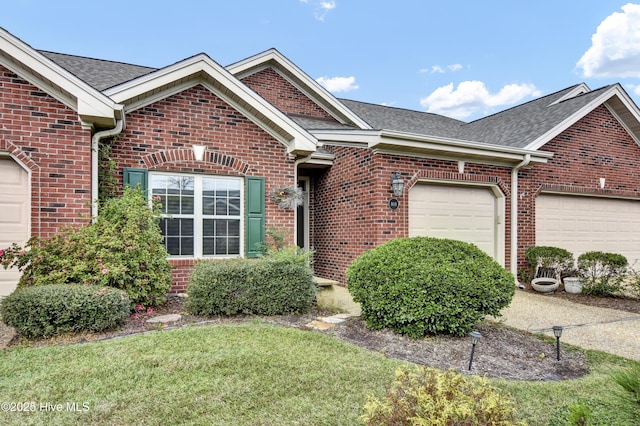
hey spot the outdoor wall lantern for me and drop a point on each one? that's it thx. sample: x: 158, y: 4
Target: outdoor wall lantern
x: 602, y: 182
x: 198, y: 152
x: 475, y: 336
x: 557, y: 331
x: 397, y: 184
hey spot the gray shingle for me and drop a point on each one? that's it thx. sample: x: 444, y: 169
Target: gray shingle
x: 98, y: 73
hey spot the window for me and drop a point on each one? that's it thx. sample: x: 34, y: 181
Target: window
x: 202, y: 215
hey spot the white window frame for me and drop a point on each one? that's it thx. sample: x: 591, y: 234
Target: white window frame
x: 198, y: 215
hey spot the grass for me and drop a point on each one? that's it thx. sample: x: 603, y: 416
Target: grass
x: 253, y: 374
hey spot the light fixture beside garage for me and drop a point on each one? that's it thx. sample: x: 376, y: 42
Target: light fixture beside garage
x: 602, y: 182
x: 397, y: 184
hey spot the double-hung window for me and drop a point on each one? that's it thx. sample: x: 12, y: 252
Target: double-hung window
x: 201, y: 214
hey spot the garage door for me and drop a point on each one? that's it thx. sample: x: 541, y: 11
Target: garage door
x: 455, y: 212
x: 581, y: 224
x: 14, y: 215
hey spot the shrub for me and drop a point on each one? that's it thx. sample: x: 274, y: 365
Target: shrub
x: 431, y: 397
x: 555, y: 258
x: 49, y: 310
x: 603, y: 273
x: 122, y: 249
x: 420, y: 285
x: 244, y: 286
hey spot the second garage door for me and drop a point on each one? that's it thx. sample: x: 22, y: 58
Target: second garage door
x: 581, y: 224
x: 456, y: 212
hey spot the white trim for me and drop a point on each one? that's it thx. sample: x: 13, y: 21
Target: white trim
x: 90, y: 104
x: 582, y: 112
x: 199, y: 69
x: 576, y: 91
x: 198, y: 214
x: 305, y: 205
x: 500, y: 212
x: 300, y: 80
x: 590, y: 195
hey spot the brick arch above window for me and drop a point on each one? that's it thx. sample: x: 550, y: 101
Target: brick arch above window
x: 165, y: 156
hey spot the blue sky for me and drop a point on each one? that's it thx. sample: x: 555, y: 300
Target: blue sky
x: 464, y: 59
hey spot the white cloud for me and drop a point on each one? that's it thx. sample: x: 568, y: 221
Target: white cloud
x: 441, y: 70
x: 321, y: 7
x: 615, y: 47
x: 471, y: 97
x: 338, y: 84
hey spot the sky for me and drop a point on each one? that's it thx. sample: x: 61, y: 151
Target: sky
x: 461, y: 58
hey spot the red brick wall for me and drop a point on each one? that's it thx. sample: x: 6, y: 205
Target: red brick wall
x: 351, y: 202
x: 283, y: 95
x: 596, y: 146
x: 159, y: 137
x: 47, y: 138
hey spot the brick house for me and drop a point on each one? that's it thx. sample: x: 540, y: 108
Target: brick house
x: 559, y: 170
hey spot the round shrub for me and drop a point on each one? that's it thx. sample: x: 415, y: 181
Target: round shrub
x: 432, y: 397
x: 244, y: 286
x: 49, y: 310
x: 603, y: 273
x: 419, y: 286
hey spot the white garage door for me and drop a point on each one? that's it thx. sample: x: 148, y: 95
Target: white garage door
x: 14, y: 215
x: 455, y: 212
x: 581, y: 224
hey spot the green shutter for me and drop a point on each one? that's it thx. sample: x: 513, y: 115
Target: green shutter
x: 135, y: 177
x: 255, y: 215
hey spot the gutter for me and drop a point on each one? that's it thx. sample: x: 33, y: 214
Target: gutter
x: 95, y: 139
x: 514, y: 217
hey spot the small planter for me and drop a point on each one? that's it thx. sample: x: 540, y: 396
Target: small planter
x: 573, y: 285
x: 545, y: 285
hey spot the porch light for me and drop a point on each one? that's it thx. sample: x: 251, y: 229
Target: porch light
x: 198, y: 152
x: 557, y: 331
x: 475, y: 336
x: 397, y: 184
x: 602, y: 182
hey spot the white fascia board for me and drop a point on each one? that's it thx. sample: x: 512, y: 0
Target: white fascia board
x: 578, y: 90
x: 90, y: 103
x: 402, y: 139
x: 351, y: 137
x: 582, y: 112
x: 304, y: 83
x: 300, y: 140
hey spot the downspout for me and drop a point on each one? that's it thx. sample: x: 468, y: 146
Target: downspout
x: 95, y: 139
x: 514, y: 216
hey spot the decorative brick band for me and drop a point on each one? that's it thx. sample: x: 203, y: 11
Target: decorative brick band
x: 583, y: 190
x: 176, y: 155
x: 446, y: 176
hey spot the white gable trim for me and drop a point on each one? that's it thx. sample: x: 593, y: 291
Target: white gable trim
x: 299, y: 79
x: 578, y: 90
x: 91, y: 105
x: 630, y: 122
x: 203, y: 70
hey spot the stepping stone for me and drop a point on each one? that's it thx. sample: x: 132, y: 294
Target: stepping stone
x: 320, y: 325
x: 162, y: 320
x: 335, y: 319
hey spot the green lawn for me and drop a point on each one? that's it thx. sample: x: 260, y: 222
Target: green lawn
x: 249, y: 374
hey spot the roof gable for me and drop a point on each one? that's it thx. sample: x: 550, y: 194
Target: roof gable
x: 299, y: 79
x: 93, y: 108
x: 201, y: 69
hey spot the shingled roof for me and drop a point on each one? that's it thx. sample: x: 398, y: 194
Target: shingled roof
x: 98, y: 73
x: 515, y: 127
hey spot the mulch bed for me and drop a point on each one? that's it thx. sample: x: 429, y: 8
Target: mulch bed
x: 501, y: 352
